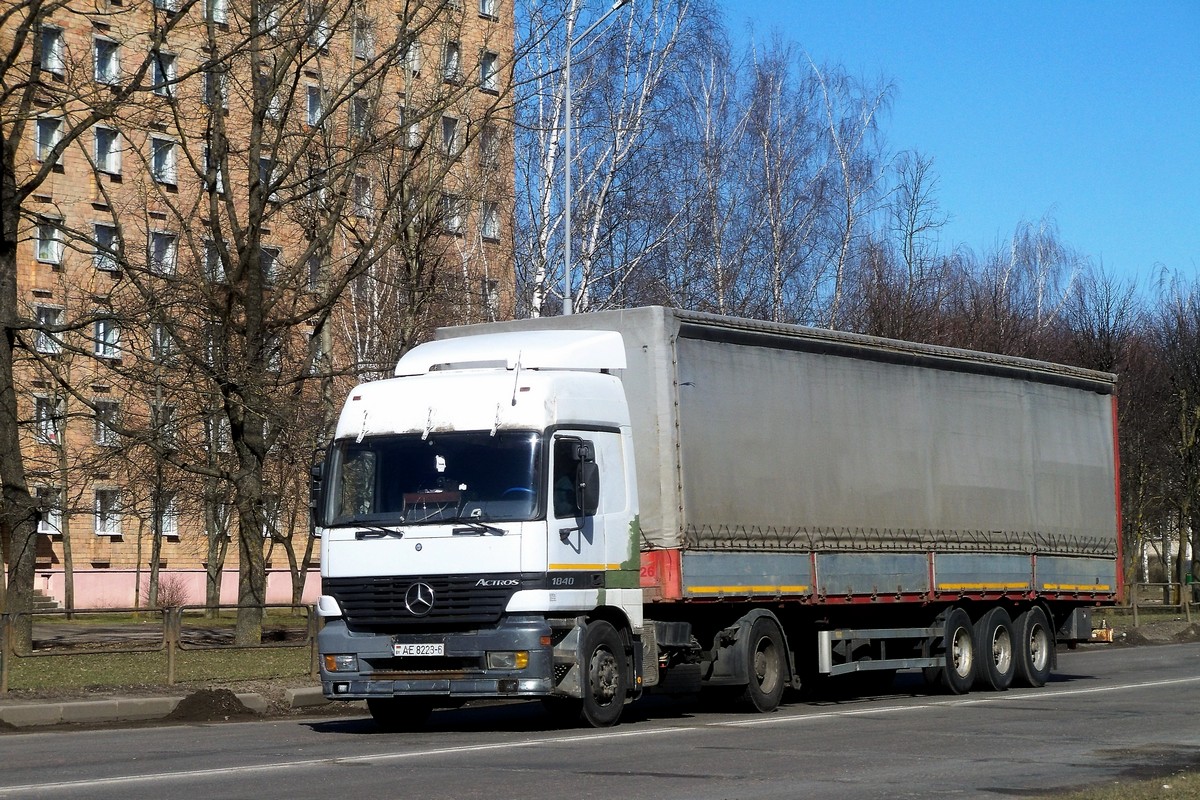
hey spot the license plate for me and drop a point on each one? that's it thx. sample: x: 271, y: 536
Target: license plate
x: 434, y: 649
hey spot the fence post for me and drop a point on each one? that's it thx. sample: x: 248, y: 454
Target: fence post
x: 171, y: 634
x: 1135, y: 605
x: 5, y: 655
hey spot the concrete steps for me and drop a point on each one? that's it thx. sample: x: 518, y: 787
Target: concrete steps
x: 44, y: 602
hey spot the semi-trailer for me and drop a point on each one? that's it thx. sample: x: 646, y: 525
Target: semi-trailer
x: 585, y: 508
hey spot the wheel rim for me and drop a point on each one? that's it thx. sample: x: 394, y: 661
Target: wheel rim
x: 766, y: 665
x: 1002, y: 650
x: 1039, y: 648
x: 961, y: 653
x: 605, y: 675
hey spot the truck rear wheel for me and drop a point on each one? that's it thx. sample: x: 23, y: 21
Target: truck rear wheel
x: 606, y: 675
x: 994, y: 650
x: 765, y: 666
x: 1034, y: 646
x: 958, y: 672
x: 396, y: 714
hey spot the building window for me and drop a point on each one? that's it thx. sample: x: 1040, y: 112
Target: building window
x: 451, y: 63
x: 268, y: 262
x: 53, y: 52
x: 489, y: 8
x: 489, y: 72
x: 46, y: 340
x: 49, y: 511
x: 490, y: 224
x: 266, y: 170
x: 106, y: 61
x: 489, y: 147
x: 49, y: 241
x: 106, y: 339
x: 104, y: 256
x: 162, y: 160
x: 162, y: 420
x: 268, y: 18
x: 162, y: 74
x: 364, y: 39
x: 214, y: 269
x: 161, y: 351
x: 215, y: 81
x: 106, y: 150
x: 164, y: 253
x: 214, y: 179
x: 216, y: 10
x: 314, y: 272
x: 453, y: 214
x: 165, y: 5
x: 361, y: 189
x: 450, y: 143
x: 106, y: 412
x: 412, y: 56
x: 319, y: 29
x: 274, y: 103
x: 216, y: 432
x: 168, y: 516
x: 410, y: 129
x: 315, y: 106
x: 108, y: 512
x: 360, y: 111
x: 47, y: 419
x: 49, y: 133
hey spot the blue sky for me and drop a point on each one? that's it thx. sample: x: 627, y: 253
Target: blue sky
x: 1089, y: 112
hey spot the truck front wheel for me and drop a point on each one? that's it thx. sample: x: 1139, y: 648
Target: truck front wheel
x: 607, y: 675
x: 765, y: 666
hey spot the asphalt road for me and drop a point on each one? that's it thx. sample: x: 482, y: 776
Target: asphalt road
x: 1108, y: 713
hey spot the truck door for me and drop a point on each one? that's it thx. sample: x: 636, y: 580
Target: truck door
x: 576, y: 537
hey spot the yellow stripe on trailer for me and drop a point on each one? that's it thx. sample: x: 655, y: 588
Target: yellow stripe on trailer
x: 981, y: 587
x: 747, y: 589
x: 1076, y: 587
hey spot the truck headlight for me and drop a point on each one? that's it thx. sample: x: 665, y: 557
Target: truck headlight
x: 341, y: 662
x: 505, y: 659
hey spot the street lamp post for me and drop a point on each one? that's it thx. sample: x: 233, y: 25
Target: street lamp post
x: 567, y: 124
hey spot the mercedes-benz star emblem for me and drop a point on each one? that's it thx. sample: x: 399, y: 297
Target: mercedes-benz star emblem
x: 419, y: 599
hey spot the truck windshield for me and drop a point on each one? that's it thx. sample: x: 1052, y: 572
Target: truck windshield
x: 442, y: 478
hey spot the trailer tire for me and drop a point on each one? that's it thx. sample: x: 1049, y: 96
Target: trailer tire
x: 958, y: 671
x: 606, y: 674
x: 995, y: 664
x: 766, y: 666
x: 400, y: 714
x: 1033, y: 647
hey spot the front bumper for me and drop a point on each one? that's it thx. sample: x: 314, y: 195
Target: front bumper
x: 462, y: 671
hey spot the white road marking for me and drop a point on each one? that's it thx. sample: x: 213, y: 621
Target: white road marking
x: 374, y: 758
x: 774, y: 719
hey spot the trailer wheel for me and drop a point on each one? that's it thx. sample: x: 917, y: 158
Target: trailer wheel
x: 1034, y: 646
x: 994, y: 649
x: 397, y: 714
x: 607, y: 675
x: 765, y: 666
x: 958, y: 673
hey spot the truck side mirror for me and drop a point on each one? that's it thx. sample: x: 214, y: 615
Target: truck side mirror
x: 316, y: 496
x: 587, y: 488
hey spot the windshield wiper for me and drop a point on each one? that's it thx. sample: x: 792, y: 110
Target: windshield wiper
x: 474, y: 526
x: 376, y: 532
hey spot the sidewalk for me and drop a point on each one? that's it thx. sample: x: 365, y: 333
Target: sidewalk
x: 211, y: 706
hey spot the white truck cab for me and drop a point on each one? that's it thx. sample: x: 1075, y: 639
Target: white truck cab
x: 470, y: 546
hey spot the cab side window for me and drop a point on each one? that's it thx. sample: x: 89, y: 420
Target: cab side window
x: 566, y: 503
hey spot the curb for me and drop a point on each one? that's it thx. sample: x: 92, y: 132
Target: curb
x: 134, y: 709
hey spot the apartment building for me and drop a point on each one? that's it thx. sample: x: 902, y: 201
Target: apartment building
x: 241, y: 207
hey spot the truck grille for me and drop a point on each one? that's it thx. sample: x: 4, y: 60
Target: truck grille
x: 386, y: 602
